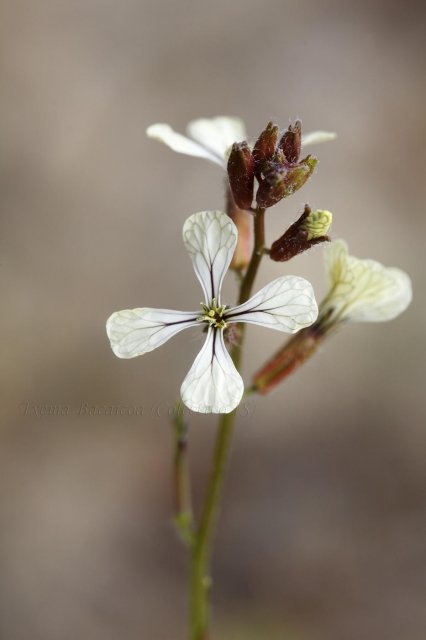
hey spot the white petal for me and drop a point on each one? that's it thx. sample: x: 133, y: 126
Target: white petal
x: 363, y: 290
x: 217, y: 134
x: 213, y: 385
x: 315, y: 137
x: 133, y: 332
x: 286, y: 304
x: 179, y: 143
x: 396, y: 295
x: 210, y: 238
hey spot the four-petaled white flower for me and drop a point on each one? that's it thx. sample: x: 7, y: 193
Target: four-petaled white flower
x: 213, y: 385
x: 362, y: 290
x: 212, y: 138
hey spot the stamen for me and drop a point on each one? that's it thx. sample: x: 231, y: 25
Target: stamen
x: 213, y: 314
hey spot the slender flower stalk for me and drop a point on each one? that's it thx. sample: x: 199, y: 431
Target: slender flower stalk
x: 183, y: 502
x: 200, y: 580
x: 287, y: 359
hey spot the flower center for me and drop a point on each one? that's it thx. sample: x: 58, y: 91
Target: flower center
x: 213, y: 314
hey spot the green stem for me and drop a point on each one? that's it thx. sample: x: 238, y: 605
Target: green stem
x: 183, y: 505
x: 201, y: 550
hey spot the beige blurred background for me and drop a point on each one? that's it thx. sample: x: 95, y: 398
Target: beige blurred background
x: 322, y: 535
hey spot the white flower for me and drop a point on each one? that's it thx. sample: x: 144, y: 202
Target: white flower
x: 213, y: 385
x: 212, y: 138
x: 209, y: 138
x: 362, y: 290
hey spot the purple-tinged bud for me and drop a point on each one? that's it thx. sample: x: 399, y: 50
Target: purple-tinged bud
x: 272, y: 186
x: 264, y: 149
x: 282, y: 180
x: 310, y: 229
x: 243, y: 220
x: 241, y: 174
x: 291, y: 142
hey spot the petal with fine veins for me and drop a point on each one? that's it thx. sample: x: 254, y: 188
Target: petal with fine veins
x: 133, y: 332
x: 217, y: 134
x: 179, y: 143
x: 210, y: 238
x: 395, y: 295
x: 315, y: 137
x: 213, y: 385
x: 363, y: 290
x: 286, y: 304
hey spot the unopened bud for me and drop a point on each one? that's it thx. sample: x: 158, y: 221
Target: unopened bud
x: 291, y: 142
x: 264, y: 148
x: 282, y: 180
x: 308, y: 230
x: 244, y: 223
x: 300, y: 173
x: 241, y: 174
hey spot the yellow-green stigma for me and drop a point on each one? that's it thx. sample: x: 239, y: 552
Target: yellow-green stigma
x: 213, y: 314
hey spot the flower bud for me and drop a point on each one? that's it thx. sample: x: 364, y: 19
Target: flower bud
x: 264, y: 149
x: 281, y: 180
x: 317, y: 224
x: 308, y: 230
x: 244, y: 223
x: 291, y: 142
x: 241, y: 174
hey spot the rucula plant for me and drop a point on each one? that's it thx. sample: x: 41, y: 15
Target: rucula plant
x: 258, y: 177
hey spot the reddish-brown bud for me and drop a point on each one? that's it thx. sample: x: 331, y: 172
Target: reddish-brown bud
x: 241, y: 174
x: 272, y: 186
x: 281, y: 180
x: 264, y: 149
x: 308, y: 230
x: 291, y: 142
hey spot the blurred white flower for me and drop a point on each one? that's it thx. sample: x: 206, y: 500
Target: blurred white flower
x: 362, y: 290
x: 316, y: 137
x: 212, y: 138
x: 209, y: 138
x: 213, y: 385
